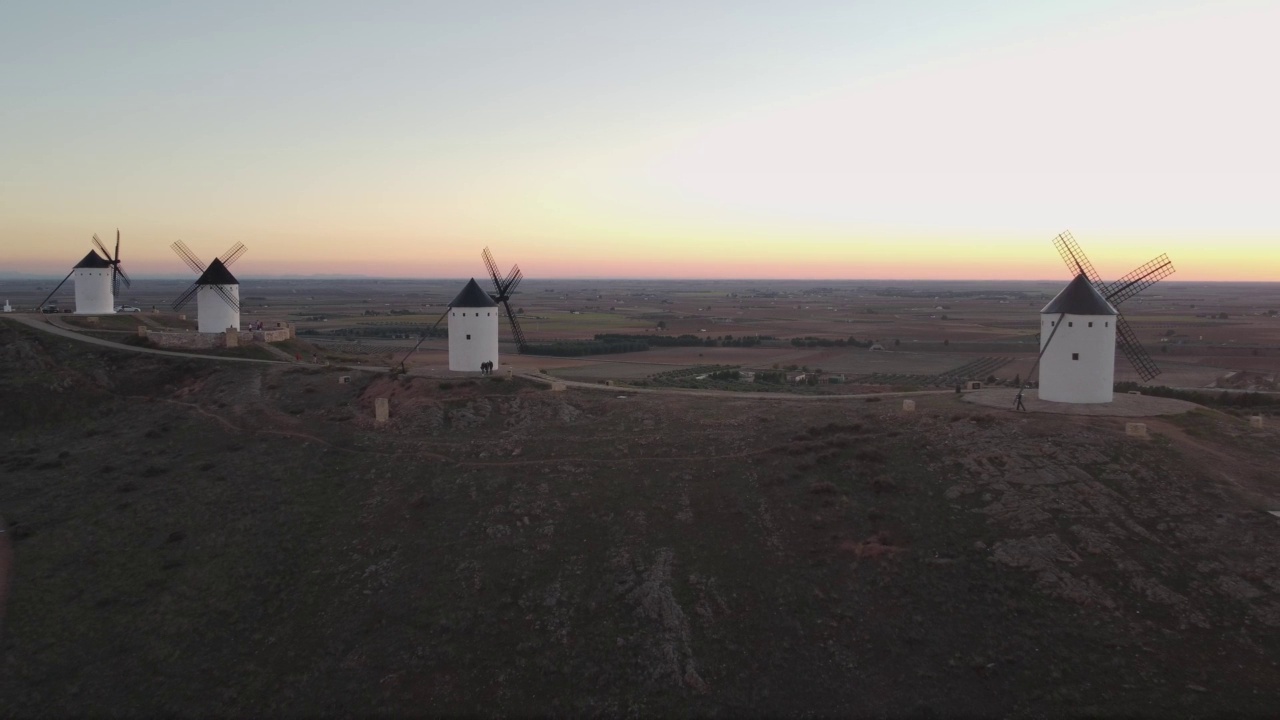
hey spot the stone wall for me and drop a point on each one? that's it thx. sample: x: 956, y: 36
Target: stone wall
x: 267, y: 335
x: 188, y: 340
x: 209, y: 341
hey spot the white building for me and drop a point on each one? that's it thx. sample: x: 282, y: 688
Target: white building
x: 1078, y: 345
x: 213, y: 312
x: 94, y: 295
x: 473, y: 329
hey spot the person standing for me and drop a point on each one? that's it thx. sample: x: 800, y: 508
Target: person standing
x: 1018, y: 402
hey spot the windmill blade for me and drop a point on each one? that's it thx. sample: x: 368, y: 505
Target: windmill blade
x: 101, y: 247
x: 115, y: 281
x: 56, y: 289
x: 1141, y: 278
x: 1077, y: 262
x: 423, y: 338
x: 234, y: 253
x: 117, y: 257
x: 231, y: 302
x: 1127, y: 343
x: 516, y: 333
x: 493, y: 270
x: 185, y: 297
x: 123, y: 276
x: 188, y: 257
x: 512, y: 281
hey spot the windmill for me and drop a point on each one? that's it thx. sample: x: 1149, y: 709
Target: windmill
x: 473, y: 330
x: 470, y: 299
x: 97, y: 280
x: 1089, y: 329
x: 216, y: 290
x: 504, y: 288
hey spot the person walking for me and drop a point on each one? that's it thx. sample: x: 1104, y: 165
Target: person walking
x: 1018, y: 402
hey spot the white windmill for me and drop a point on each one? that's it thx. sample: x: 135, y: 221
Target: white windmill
x: 97, y: 279
x: 473, y: 329
x: 1080, y: 330
x: 473, y: 321
x: 216, y: 290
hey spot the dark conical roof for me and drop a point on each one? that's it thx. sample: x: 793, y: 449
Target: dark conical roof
x: 1079, y: 297
x: 217, y: 274
x: 93, y: 260
x: 473, y: 297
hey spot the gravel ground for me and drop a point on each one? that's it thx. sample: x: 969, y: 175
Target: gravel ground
x: 1124, y: 405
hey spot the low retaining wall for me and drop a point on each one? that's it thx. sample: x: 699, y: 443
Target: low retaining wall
x: 209, y: 341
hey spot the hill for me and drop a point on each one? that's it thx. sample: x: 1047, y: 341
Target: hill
x: 218, y: 539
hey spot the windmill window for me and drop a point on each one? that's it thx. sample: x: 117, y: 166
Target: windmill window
x: 1090, y: 324
x: 1106, y: 324
x: 468, y: 337
x: 1070, y: 324
x: 1074, y: 356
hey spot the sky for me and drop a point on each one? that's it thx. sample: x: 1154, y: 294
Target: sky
x: 888, y: 139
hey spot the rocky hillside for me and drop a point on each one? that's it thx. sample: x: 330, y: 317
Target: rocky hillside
x: 233, y: 540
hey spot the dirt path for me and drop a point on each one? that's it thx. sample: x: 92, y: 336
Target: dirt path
x: 33, y: 322
x: 627, y: 390
x: 1124, y: 404
x: 52, y: 328
x: 1242, y: 471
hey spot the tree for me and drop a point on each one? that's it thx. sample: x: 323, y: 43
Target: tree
x: 662, y: 324
x: 946, y: 341
x: 896, y: 342
x: 1017, y: 380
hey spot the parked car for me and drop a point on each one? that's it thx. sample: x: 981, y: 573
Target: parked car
x: 128, y: 308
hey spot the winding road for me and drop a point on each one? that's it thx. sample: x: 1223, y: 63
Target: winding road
x: 40, y: 323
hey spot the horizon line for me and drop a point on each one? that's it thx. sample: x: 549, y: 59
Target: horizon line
x: 463, y: 278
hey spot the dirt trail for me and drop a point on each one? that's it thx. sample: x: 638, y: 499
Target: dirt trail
x: 1242, y: 471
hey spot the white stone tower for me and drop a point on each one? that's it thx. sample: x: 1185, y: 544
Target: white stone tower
x: 214, y: 313
x: 94, y: 294
x: 1078, y: 345
x: 473, y: 329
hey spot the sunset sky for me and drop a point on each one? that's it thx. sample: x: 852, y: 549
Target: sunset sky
x: 844, y: 139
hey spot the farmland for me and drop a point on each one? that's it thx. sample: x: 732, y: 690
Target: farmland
x: 1197, y: 332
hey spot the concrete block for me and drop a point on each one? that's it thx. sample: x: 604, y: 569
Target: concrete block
x: 1134, y: 392
x: 908, y: 406
x: 973, y: 385
x: 182, y: 317
x: 381, y: 410
x: 558, y: 387
x: 91, y: 320
x: 1135, y: 429
x: 233, y: 337
x: 1255, y: 421
x: 344, y: 379
x: 142, y: 331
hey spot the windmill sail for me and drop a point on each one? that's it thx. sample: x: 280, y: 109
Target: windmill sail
x: 503, y: 289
